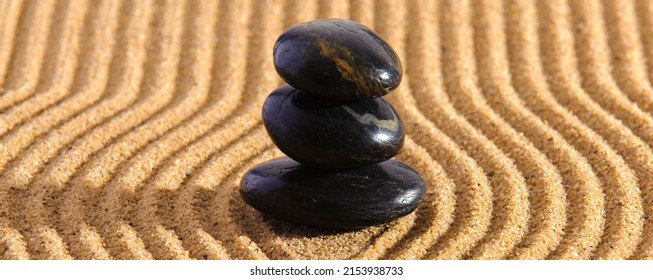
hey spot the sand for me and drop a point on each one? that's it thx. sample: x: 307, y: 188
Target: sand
x: 125, y: 127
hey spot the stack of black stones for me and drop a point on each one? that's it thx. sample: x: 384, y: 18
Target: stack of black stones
x: 337, y: 131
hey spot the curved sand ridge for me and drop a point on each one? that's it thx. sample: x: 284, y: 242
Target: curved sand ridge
x: 125, y: 127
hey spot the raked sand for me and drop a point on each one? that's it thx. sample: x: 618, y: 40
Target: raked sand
x: 125, y: 128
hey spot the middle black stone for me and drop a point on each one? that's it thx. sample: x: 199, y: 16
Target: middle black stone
x: 332, y: 134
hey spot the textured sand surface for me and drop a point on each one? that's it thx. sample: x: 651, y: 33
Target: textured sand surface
x: 125, y: 128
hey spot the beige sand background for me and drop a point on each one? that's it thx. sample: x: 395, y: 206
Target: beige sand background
x: 125, y: 128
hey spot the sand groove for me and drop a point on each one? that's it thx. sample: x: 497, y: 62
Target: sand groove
x: 597, y: 82
x: 12, y: 11
x: 125, y: 127
x: 583, y: 230
x: 123, y: 186
x: 91, y: 79
x: 547, y: 217
x: 511, y: 215
x: 624, y: 218
x: 20, y: 80
x: 56, y: 73
x: 627, y: 55
x: 644, y: 11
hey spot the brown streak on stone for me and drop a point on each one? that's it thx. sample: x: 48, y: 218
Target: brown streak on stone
x: 344, y: 67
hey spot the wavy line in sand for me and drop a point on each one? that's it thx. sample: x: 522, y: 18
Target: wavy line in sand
x: 47, y: 195
x: 121, y: 192
x: 512, y: 204
x: 623, y: 203
x: 628, y: 62
x: 644, y: 10
x: 598, y: 84
x: 59, y: 64
x: 13, y: 144
x: 13, y: 11
x: 90, y: 81
x: 28, y: 52
x: 585, y: 214
x: 83, y: 239
x: 173, y: 172
x: 548, y: 205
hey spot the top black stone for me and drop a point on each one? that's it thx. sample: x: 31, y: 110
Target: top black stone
x: 337, y: 59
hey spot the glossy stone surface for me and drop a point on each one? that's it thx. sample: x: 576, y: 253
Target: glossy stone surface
x: 329, y: 134
x: 328, y: 198
x: 337, y: 59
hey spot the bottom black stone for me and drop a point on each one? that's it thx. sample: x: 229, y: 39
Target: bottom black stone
x: 342, y: 198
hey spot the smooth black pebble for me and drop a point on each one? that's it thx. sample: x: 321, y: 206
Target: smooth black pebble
x: 332, y: 134
x: 327, y: 198
x: 337, y: 59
